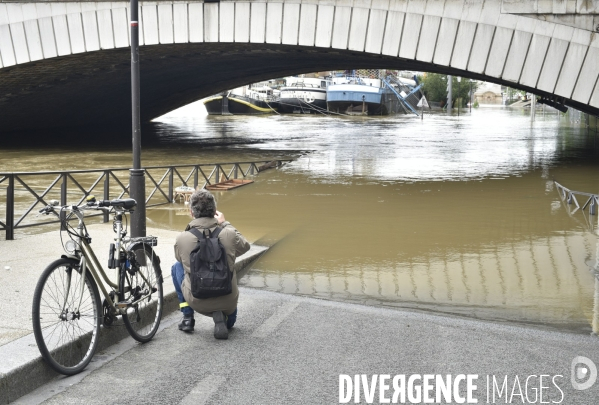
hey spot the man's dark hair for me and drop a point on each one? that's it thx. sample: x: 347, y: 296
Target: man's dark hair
x: 202, y: 204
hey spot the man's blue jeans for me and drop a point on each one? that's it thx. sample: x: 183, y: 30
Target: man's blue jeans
x: 178, y: 274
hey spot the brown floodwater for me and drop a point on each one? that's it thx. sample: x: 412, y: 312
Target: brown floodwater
x: 457, y: 215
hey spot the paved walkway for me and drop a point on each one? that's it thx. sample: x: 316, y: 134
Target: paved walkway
x: 283, y: 349
x: 28, y: 256
x: 287, y: 349
x: 25, y: 259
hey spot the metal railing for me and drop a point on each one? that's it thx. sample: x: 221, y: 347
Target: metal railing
x: 410, y: 100
x: 569, y: 196
x: 79, y: 184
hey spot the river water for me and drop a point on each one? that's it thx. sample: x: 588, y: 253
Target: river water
x: 457, y: 215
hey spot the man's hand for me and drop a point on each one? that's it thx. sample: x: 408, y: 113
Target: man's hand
x: 220, y: 218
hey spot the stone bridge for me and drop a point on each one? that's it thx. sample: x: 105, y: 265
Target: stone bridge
x: 67, y: 63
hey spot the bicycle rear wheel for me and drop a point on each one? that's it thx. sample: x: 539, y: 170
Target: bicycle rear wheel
x: 143, y: 293
x: 66, y: 323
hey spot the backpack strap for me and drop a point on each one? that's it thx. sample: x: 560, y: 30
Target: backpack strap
x: 201, y: 235
x: 196, y: 233
x: 216, y: 232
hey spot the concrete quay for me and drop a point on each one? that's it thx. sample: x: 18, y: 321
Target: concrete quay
x: 283, y: 349
x: 286, y: 349
x: 22, y: 368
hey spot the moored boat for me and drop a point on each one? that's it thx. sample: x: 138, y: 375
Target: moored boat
x: 304, y: 95
x: 217, y: 104
x: 252, y: 99
x: 354, y: 95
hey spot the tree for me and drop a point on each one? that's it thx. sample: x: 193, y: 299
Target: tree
x: 513, y: 95
x: 434, y: 87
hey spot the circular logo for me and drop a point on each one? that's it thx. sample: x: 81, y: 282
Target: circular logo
x: 583, y: 373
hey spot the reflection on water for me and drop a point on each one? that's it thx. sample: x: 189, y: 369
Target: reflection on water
x: 457, y: 215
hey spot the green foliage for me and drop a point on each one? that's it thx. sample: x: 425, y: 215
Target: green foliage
x: 514, y: 95
x: 475, y: 105
x: 434, y: 86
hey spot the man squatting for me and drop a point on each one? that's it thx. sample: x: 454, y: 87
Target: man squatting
x: 223, y: 309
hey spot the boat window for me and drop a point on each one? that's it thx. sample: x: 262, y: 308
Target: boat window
x: 323, y: 84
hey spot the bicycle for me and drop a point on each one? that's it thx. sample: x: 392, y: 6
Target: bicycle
x: 67, y: 311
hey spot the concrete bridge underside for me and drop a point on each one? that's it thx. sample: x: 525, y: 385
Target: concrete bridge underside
x: 67, y: 64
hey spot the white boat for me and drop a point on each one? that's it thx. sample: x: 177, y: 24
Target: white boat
x: 304, y: 95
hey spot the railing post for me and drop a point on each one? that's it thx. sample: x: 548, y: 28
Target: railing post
x: 195, y: 178
x: 252, y: 166
x: 170, y: 183
x: 63, y: 200
x: 106, y: 192
x: 216, y: 170
x: 235, y: 171
x: 10, y: 208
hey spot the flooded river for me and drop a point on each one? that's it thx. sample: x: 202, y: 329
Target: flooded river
x: 457, y: 215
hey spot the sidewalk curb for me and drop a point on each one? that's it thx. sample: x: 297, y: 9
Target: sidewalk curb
x: 25, y: 370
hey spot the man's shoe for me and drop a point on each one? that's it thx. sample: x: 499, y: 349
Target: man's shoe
x: 220, y: 326
x: 187, y: 323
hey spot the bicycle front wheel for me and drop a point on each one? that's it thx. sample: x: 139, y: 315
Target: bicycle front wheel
x: 142, y: 292
x: 66, y: 317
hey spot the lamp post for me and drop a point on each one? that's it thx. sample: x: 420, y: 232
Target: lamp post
x: 137, y: 187
x: 458, y: 98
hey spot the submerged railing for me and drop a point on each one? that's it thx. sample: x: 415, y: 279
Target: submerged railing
x: 25, y: 190
x: 569, y: 196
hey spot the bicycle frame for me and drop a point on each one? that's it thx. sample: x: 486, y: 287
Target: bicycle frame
x: 68, y: 312
x: 88, y: 261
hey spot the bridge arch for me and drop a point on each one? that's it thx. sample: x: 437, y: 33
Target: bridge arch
x: 67, y: 63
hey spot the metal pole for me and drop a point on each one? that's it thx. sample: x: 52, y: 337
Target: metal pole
x: 171, y: 180
x: 137, y: 189
x: 459, y: 99
x: 470, y: 96
x: 533, y: 107
x: 63, y: 200
x: 216, y: 174
x: 106, y: 218
x: 10, y: 208
x: 449, y: 93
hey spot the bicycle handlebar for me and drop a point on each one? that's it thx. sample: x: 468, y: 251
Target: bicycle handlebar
x: 103, y: 205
